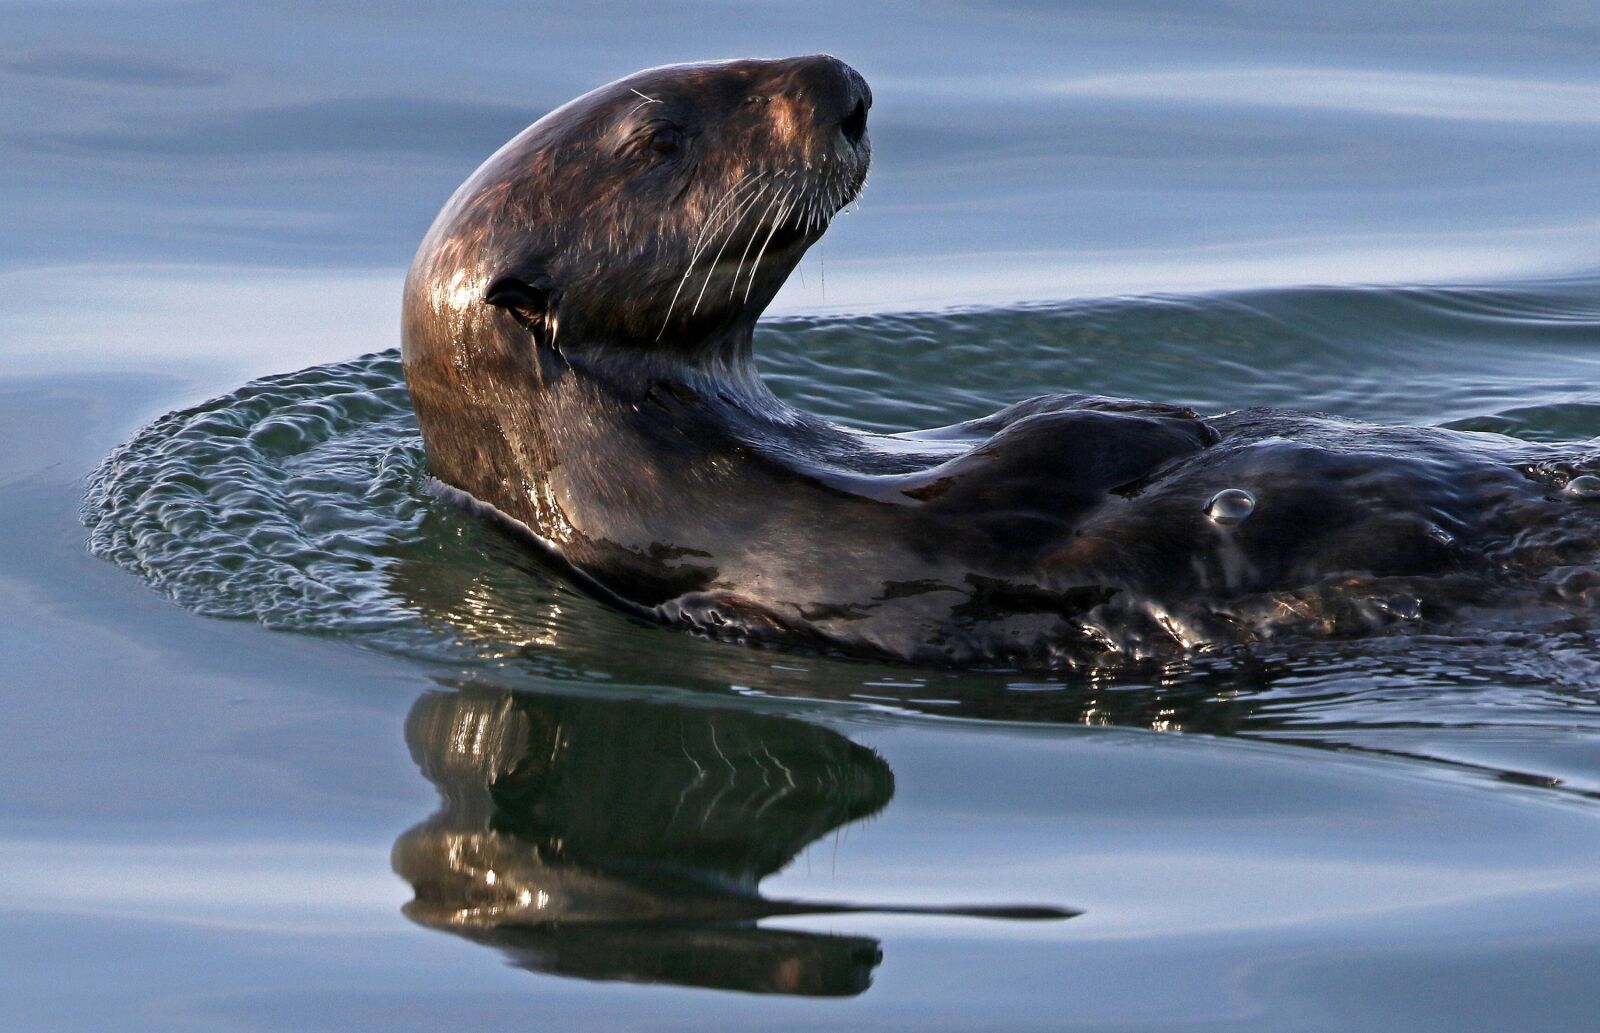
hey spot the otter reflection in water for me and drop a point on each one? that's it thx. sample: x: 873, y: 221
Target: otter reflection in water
x: 625, y: 840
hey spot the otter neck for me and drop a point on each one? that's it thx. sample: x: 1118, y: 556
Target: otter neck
x: 721, y: 365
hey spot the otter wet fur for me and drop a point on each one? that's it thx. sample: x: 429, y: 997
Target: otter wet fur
x: 578, y: 345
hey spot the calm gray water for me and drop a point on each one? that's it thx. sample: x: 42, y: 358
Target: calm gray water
x: 293, y: 746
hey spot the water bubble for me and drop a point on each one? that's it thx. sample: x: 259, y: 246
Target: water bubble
x: 1230, y: 506
x: 1584, y: 486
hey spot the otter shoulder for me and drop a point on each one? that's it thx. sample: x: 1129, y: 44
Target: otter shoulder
x: 1061, y: 460
x: 987, y: 426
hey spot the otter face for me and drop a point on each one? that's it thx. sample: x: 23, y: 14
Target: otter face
x: 665, y: 210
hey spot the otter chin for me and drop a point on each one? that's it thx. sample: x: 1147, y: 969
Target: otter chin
x: 577, y: 342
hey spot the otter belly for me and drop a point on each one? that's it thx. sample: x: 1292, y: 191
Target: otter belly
x: 1348, y: 528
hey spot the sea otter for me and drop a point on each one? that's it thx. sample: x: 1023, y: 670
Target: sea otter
x: 577, y: 342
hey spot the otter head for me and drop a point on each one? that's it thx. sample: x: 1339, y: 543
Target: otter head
x: 658, y: 214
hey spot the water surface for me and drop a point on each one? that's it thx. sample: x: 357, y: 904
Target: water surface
x: 261, y: 763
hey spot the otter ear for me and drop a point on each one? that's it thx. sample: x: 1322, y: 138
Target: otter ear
x: 531, y: 298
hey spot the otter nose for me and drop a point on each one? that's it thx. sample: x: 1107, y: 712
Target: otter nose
x: 854, y: 125
x: 841, y: 95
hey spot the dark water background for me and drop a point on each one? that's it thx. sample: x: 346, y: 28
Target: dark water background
x: 1391, y: 214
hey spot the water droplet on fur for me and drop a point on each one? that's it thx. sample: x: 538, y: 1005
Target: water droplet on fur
x: 1230, y: 505
x: 1584, y: 486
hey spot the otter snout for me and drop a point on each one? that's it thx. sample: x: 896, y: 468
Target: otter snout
x: 840, y: 95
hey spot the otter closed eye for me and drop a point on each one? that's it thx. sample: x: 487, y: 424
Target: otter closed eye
x: 595, y: 389
x: 666, y: 140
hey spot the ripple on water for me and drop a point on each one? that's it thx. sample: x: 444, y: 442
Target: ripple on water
x: 300, y: 501
x: 276, y: 502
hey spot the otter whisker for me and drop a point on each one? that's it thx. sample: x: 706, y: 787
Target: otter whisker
x: 733, y: 224
x: 776, y: 222
x: 738, y: 186
x: 723, y: 221
x: 644, y: 103
x: 708, y: 231
x: 734, y: 286
x: 704, y: 230
x: 777, y: 201
x: 672, y: 304
x: 781, y: 203
x: 702, y: 242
